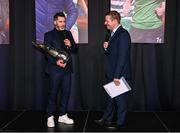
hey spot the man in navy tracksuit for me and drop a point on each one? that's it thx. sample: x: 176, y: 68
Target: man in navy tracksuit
x: 58, y: 70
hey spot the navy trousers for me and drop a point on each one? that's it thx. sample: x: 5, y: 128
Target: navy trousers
x: 59, y: 82
x: 116, y: 108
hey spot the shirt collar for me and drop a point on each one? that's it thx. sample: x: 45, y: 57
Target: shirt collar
x: 116, y: 28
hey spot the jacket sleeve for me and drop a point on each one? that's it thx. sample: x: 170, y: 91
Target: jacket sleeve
x: 123, y: 54
x: 47, y: 42
x: 74, y: 46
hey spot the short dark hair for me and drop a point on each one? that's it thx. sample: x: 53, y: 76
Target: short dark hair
x: 59, y: 14
x: 114, y: 15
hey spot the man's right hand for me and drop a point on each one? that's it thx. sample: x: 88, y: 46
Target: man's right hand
x: 105, y: 45
x: 60, y: 63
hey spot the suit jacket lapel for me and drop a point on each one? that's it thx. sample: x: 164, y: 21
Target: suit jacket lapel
x: 115, y: 34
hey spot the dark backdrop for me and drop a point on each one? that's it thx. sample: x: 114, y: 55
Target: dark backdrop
x: 156, y: 73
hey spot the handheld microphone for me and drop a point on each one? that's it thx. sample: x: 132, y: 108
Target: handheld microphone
x: 107, y: 36
x: 65, y: 37
x: 64, y: 34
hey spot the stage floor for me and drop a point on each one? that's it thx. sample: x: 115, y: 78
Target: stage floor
x: 30, y: 121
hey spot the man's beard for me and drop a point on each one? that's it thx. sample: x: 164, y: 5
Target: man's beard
x: 60, y: 28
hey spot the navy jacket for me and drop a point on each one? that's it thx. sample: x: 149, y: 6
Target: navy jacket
x: 55, y: 39
x: 118, y: 55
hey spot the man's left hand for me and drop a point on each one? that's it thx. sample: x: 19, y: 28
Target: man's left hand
x: 116, y: 82
x: 67, y: 42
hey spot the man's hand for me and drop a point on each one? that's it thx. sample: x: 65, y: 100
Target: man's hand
x: 60, y: 63
x: 116, y: 82
x: 160, y: 11
x: 126, y: 7
x: 67, y: 42
x: 105, y: 45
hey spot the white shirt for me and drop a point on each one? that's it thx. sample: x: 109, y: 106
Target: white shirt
x: 115, y: 30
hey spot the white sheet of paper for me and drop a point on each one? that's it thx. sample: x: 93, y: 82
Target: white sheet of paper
x: 114, y: 90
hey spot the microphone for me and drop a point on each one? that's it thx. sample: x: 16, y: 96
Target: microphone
x: 65, y: 37
x: 107, y: 35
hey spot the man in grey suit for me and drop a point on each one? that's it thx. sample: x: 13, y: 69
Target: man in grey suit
x: 117, y: 51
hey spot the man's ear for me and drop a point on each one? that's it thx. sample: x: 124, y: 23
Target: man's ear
x: 55, y: 22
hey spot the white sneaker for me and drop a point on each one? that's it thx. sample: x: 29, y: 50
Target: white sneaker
x: 50, y: 121
x: 65, y: 119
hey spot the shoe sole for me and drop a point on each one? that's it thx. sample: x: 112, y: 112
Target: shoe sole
x: 51, y: 126
x: 66, y: 123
